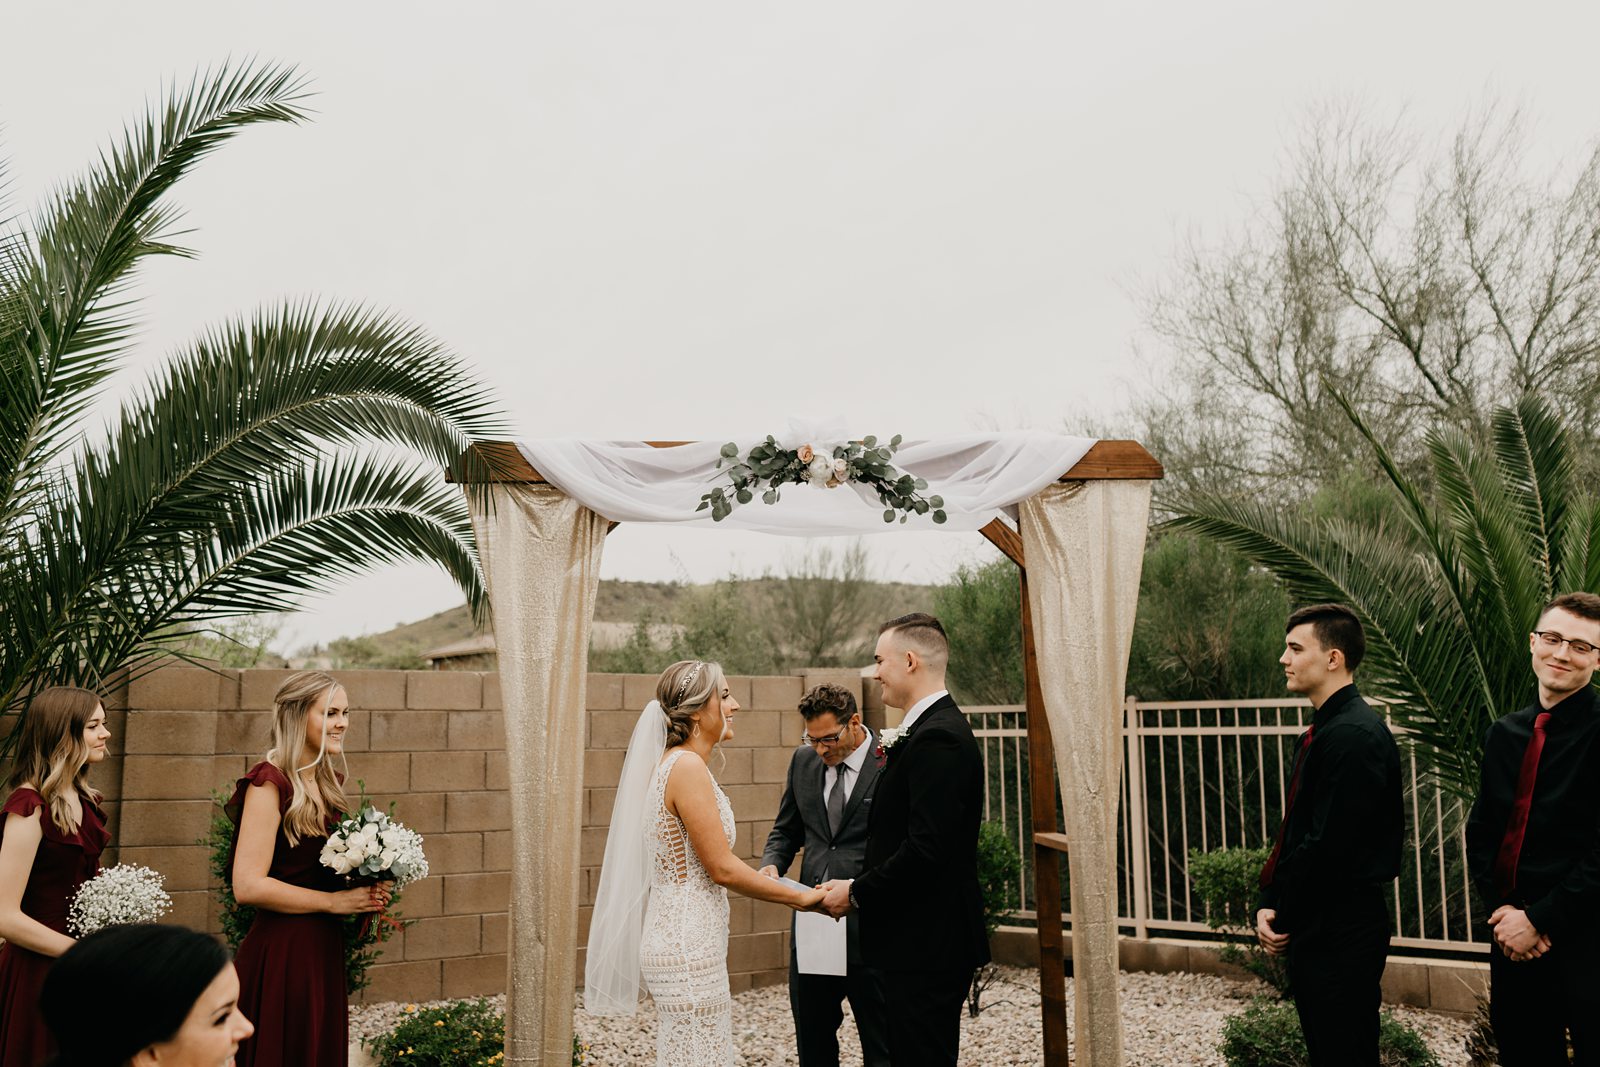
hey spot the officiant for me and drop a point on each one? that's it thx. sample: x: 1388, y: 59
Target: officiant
x: 827, y: 799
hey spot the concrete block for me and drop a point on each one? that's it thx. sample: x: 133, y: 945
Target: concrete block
x: 227, y: 690
x: 408, y: 731
x: 107, y: 775
x: 637, y: 691
x: 611, y: 729
x: 447, y: 771
x: 411, y: 982
x: 258, y: 686
x: 771, y: 764
x: 474, y: 976
x: 423, y: 899
x: 477, y: 811
x: 755, y: 801
x: 769, y: 918
x: 739, y: 911
x: 847, y: 678
x: 871, y: 694
x: 183, y: 866
x: 454, y: 853
x: 597, y: 806
x: 1159, y: 957
x: 495, y: 929
x: 493, y: 700
x: 764, y: 979
x: 760, y: 830
x: 755, y: 952
x: 191, y: 908
x: 731, y: 766
x: 172, y: 733
x: 358, y: 735
x: 760, y: 729
x: 738, y: 983
x: 243, y: 732
x: 1406, y: 983
x: 1457, y: 987
x: 162, y: 822
x: 592, y: 846
x: 602, y: 767
x: 496, y: 771
x: 604, y: 692
x: 446, y: 690
x: 374, y: 689
x: 167, y: 777
x: 446, y: 935
x: 497, y: 850
x: 114, y: 691
x: 475, y: 894
x: 775, y: 694
x: 423, y: 812
x: 226, y: 772
x: 739, y: 689
x: 477, y: 731
x: 174, y: 688
x: 386, y: 773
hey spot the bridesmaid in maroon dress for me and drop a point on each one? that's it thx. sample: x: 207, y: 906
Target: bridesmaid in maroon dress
x: 52, y: 832
x: 291, y: 963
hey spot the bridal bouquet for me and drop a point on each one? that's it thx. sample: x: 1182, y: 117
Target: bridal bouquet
x: 371, y: 844
x: 126, y: 893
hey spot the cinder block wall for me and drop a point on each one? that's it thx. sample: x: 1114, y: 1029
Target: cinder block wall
x: 433, y: 742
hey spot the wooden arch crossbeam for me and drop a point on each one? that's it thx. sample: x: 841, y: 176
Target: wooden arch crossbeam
x: 1105, y: 460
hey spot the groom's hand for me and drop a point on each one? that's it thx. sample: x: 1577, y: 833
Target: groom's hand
x: 769, y: 871
x: 836, y: 900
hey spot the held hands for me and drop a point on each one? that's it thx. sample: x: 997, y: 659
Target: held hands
x: 836, y: 901
x: 361, y: 898
x: 769, y: 871
x: 1518, y: 938
x: 1272, y: 942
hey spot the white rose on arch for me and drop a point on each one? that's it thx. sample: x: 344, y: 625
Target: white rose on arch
x: 819, y: 470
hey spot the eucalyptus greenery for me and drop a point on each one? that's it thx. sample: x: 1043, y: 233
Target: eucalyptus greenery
x: 866, y: 461
x: 1447, y: 598
x: 273, y: 456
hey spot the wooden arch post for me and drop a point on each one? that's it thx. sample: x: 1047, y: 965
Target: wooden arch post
x: 1105, y: 460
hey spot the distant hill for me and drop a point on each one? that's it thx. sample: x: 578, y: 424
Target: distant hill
x: 617, y: 602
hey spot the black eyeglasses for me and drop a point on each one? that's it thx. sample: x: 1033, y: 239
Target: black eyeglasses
x: 831, y: 739
x: 1551, y: 639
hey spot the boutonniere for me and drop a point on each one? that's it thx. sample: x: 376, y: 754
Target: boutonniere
x: 888, y: 737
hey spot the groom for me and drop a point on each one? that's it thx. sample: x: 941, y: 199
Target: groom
x: 921, y: 913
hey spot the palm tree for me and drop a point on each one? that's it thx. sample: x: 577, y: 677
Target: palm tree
x: 271, y: 457
x: 1448, y: 599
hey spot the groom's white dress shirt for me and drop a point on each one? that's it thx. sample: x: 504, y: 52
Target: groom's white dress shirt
x: 853, y: 763
x: 919, y: 707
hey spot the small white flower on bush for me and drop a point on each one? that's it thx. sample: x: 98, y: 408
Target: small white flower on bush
x: 126, y: 893
x: 376, y: 846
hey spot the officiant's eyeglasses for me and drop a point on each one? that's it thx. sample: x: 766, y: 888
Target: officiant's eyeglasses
x: 831, y: 739
x: 1551, y: 639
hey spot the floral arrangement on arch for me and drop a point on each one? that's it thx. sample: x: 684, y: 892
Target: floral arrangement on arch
x: 769, y: 466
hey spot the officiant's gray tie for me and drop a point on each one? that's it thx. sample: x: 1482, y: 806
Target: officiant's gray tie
x: 836, y: 800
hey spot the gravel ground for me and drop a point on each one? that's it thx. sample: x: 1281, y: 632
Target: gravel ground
x: 1168, y: 1020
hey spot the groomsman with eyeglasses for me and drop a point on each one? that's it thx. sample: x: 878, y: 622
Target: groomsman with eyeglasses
x: 1533, y: 844
x: 1325, y: 887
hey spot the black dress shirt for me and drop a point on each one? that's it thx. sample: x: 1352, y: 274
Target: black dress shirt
x: 1558, y: 873
x: 1347, y: 823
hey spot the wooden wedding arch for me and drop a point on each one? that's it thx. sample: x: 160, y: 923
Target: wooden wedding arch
x: 1105, y: 461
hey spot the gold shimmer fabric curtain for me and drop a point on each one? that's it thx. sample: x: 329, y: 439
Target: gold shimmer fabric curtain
x: 1084, y: 546
x: 541, y: 553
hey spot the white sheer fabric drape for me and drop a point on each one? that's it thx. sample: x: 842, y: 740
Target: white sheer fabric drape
x: 541, y: 551
x: 1084, y: 546
x: 979, y: 475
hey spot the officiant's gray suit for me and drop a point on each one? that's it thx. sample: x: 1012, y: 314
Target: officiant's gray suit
x: 802, y: 822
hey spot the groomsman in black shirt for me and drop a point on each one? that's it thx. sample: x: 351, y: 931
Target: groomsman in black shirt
x: 1324, y: 887
x: 1533, y: 843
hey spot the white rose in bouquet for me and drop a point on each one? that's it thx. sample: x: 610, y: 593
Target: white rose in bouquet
x: 371, y: 845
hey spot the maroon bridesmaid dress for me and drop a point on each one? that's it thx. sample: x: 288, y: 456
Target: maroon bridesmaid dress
x: 291, y: 967
x: 63, y: 862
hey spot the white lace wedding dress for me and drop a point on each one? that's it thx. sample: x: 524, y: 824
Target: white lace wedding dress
x: 684, y: 955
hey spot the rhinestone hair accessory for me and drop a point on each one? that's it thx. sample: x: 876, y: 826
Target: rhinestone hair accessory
x: 688, y: 680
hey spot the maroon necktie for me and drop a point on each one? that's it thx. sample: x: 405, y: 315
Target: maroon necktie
x: 1505, y: 864
x: 1288, y: 806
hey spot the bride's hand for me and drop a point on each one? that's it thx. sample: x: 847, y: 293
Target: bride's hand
x: 812, y: 901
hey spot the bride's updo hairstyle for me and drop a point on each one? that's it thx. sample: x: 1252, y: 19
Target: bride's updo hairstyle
x: 682, y: 690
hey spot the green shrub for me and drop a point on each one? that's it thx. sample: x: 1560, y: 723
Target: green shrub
x: 361, y: 939
x: 462, y: 1033
x: 999, y: 869
x: 1267, y: 1034
x: 1225, y: 879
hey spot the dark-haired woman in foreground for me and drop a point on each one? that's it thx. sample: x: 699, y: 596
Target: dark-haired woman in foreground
x: 144, y: 996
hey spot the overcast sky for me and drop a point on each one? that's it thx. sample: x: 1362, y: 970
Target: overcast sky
x: 686, y: 220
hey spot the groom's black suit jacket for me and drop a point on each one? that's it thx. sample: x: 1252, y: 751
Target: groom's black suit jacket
x: 920, y: 904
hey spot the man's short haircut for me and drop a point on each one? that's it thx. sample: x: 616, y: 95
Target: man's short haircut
x: 828, y: 699
x: 1583, y: 605
x: 1336, y: 626
x: 922, y: 632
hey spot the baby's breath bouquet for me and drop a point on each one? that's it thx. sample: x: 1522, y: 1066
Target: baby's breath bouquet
x: 126, y: 893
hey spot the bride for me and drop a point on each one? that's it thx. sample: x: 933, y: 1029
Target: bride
x: 660, y: 918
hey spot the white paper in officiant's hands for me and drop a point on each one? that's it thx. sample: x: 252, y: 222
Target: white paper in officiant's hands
x: 820, y: 943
